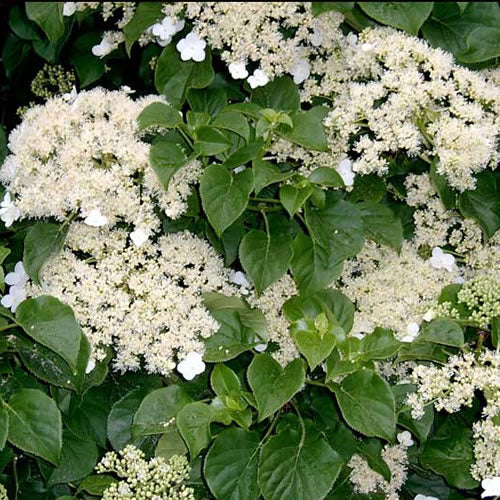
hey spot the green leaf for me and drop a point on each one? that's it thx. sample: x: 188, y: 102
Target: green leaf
x: 368, y: 188
x: 96, y: 484
x: 266, y: 173
x: 174, y: 77
x: 367, y: 404
x: 293, y: 198
x: 381, y: 225
x: 449, y: 452
x: 52, y: 323
x: 442, y: 331
x: 279, y: 94
x: 265, y: 257
x: 159, y: 114
x: 193, y: 422
x: 50, y: 367
x: 444, y: 190
x: 253, y: 319
x: 272, y: 385
x: 243, y: 155
x: 157, y: 408
x: 408, y: 16
x: 78, y: 459
x: 241, y: 328
x: 121, y: 417
x: 325, y: 176
x: 315, y: 344
x: 88, y: 67
x: 210, y: 141
x: 166, y: 158
x: 309, y: 270
x: 295, y: 467
x: 4, y: 425
x: 224, y: 381
x: 210, y: 101
x: 224, y: 196
x: 21, y: 25
x: 43, y: 240
x: 483, y: 203
x: 308, y: 130
x: 380, y: 344
x: 495, y: 331
x: 146, y: 14
x: 231, y: 465
x: 338, y: 309
x: 35, y: 424
x: 48, y: 15
x: 233, y: 121
x: 448, y: 26
x: 337, y: 228
x: 170, y: 444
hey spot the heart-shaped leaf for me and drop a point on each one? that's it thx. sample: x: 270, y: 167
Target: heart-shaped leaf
x: 272, y: 385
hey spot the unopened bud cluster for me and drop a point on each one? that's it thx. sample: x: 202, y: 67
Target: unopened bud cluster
x: 156, y: 479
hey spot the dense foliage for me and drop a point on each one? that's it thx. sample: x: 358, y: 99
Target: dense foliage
x: 250, y: 251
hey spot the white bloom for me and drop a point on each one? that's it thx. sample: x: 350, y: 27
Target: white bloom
x: 90, y: 365
x: 260, y: 347
x: 18, y: 277
x: 69, y: 8
x: 239, y: 278
x: 258, y: 79
x: 191, y: 366
x: 412, y: 332
x: 425, y: 497
x: 239, y: 169
x: 127, y: 89
x: 429, y: 315
x: 70, y: 96
x: 405, y: 439
x: 95, y: 218
x: 491, y: 487
x: 345, y: 171
x: 366, y: 47
x: 8, y: 211
x: 316, y: 38
x: 441, y: 260
x: 139, y: 237
x: 238, y: 70
x: 352, y: 38
x: 104, y: 48
x: 192, y: 47
x: 15, y: 296
x: 301, y: 71
x: 459, y: 280
x: 166, y: 30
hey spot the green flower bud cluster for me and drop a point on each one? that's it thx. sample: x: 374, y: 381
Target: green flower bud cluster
x: 156, y: 479
x: 3, y: 493
x: 52, y: 80
x: 482, y: 296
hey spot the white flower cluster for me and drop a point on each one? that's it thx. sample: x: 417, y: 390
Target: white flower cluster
x: 145, y: 301
x: 452, y: 387
x: 85, y: 156
x: 373, y: 280
x: 403, y: 96
x: 437, y: 227
x: 270, y: 302
x: 156, y: 479
x: 365, y: 480
x: 252, y: 38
